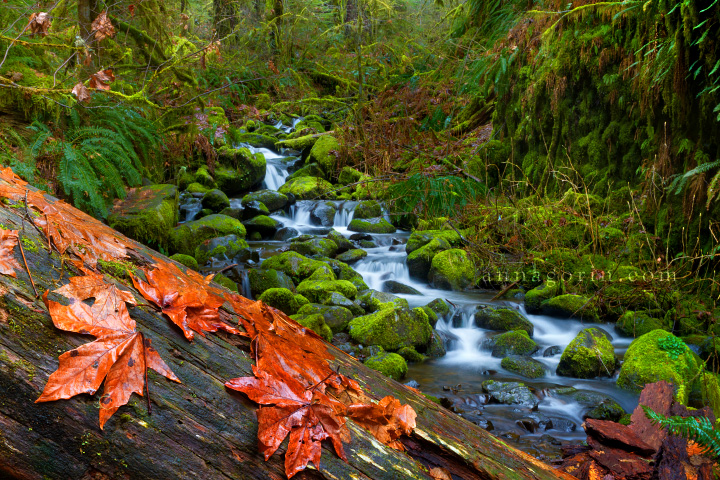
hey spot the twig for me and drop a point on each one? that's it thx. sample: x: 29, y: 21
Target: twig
x: 147, y: 384
x: 503, y: 291
x: 22, y: 252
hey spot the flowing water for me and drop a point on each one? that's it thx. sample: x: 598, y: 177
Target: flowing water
x: 457, y: 377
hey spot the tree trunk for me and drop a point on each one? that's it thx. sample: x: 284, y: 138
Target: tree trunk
x: 87, y: 12
x: 197, y: 428
x: 225, y: 18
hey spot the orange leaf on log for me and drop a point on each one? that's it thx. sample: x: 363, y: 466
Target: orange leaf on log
x: 387, y: 420
x: 185, y: 298
x: 8, y: 264
x: 120, y: 354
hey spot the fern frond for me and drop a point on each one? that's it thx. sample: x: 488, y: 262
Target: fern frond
x: 698, y: 429
x: 680, y: 181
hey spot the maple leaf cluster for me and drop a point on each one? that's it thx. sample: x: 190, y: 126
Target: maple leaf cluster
x: 39, y: 23
x: 102, y: 27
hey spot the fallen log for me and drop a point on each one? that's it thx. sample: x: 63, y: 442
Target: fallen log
x: 197, y: 428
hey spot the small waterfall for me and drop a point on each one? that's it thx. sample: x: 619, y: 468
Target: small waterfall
x: 380, y: 265
x: 465, y: 347
x: 189, y: 209
x: 245, y: 285
x: 344, y: 214
x: 298, y: 215
x: 275, y: 176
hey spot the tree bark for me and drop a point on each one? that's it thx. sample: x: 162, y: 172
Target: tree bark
x: 197, y: 429
x: 87, y: 13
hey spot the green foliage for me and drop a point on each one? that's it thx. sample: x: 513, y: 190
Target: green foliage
x: 680, y: 181
x: 672, y: 345
x: 698, y: 429
x: 428, y: 196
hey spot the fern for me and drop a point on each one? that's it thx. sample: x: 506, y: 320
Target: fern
x: 679, y: 181
x: 698, y: 429
x: 429, y: 196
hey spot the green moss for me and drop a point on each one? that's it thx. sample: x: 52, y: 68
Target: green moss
x: 308, y: 188
x: 590, y: 354
x: 420, y: 260
x: 325, y: 152
x: 282, y: 299
x: 240, y: 170
x: 309, y: 170
x: 314, y: 290
x: 221, y: 279
x: 184, y: 178
x: 516, y: 342
x: 226, y: 247
x: 197, y: 188
x: 255, y: 139
x: 367, y: 209
x: 203, y: 177
x: 215, y: 200
x: 270, y: 198
x: 389, y: 364
x: 411, y: 355
x: 645, y: 362
x: 502, y: 319
x: 420, y: 238
x: 524, y: 366
x: 635, y: 324
x: 29, y: 245
x: 316, y: 246
x: 118, y: 268
x: 148, y: 214
x: 335, y: 317
x: 349, y: 175
x: 392, y: 328
x: 299, y: 143
x: 451, y: 270
x: 262, y: 280
x: 186, y: 260
x: 570, y: 305
x: 296, y: 266
x: 371, y: 225
x: 188, y: 236
x: 352, y: 255
x: 539, y: 294
x: 316, y: 323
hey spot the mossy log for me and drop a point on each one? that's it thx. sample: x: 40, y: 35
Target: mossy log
x: 197, y: 428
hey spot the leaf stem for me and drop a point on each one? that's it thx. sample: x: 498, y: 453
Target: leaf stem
x: 145, y: 369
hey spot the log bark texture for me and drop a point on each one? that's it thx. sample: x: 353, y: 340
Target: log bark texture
x: 197, y: 429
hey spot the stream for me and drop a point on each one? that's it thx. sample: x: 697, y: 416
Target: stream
x: 456, y: 378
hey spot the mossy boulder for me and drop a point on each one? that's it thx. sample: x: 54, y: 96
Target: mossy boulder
x: 635, y: 324
x: 197, y: 188
x: 147, y: 214
x: 336, y: 317
x: 309, y: 170
x: 419, y: 261
x: 411, y: 355
x: 659, y: 355
x: 389, y: 364
x: 392, y: 328
x: 335, y: 299
x: 571, y: 305
x: 184, y: 178
x: 502, y: 319
x: 524, y: 366
x: 349, y: 175
x: 515, y: 342
x: 187, y: 237
x: 296, y: 266
x: 222, y: 248
x: 372, y: 300
x: 282, y: 299
x: 596, y: 405
x: 510, y: 393
x: 262, y: 280
x: 344, y: 271
x: 255, y: 139
x: 436, y: 346
x: 324, y: 214
x: 451, y: 270
x: 367, y: 209
x: 203, y: 177
x: 440, y: 307
x: 315, y: 247
x: 316, y: 323
x: 240, y: 170
x: 325, y: 153
x: 371, y: 225
x: 546, y: 291
x: 299, y: 143
x: 263, y: 225
x: 186, y: 260
x: 215, y: 200
x: 224, y: 281
x: 420, y: 238
x: 315, y: 290
x: 308, y: 188
x: 393, y: 286
x: 590, y: 354
x: 270, y: 198
x: 352, y: 256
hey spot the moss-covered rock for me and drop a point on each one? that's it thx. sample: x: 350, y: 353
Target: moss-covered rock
x: 262, y: 280
x: 515, y: 342
x: 299, y: 143
x: 270, y: 198
x: 282, y: 299
x: 215, y: 200
x: 596, y: 405
x: 336, y: 317
x: 343, y: 243
x: 309, y: 170
x: 635, y: 324
x: 502, y: 319
x: 255, y: 140
x: 184, y: 178
x: 420, y: 238
x: 392, y: 328
x: 187, y: 237
x: 436, y: 346
x: 389, y: 364
x: 308, y: 188
x: 352, y: 256
x: 203, y: 177
x: 589, y: 355
x: 411, y: 355
x: 224, y: 281
x: 315, y: 290
x: 393, y: 286
x: 240, y: 170
x: 316, y: 323
x: 349, y: 175
x: 222, y: 248
x: 451, y: 270
x: 648, y: 361
x: 325, y: 153
x: 335, y: 299
x: 323, y: 214
x: 440, y: 307
x: 367, y: 209
x: 315, y: 247
x: 570, y: 305
x: 510, y: 393
x: 147, y: 214
x: 371, y: 225
x: 419, y: 261
x: 372, y: 300
x: 186, y: 260
x: 263, y: 225
x: 197, y: 188
x: 344, y: 271
x: 524, y: 366
x: 296, y: 266
x: 546, y: 291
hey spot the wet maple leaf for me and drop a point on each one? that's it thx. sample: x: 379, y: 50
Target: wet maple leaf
x: 81, y: 92
x: 120, y: 354
x: 387, y: 420
x: 289, y: 408
x: 102, y: 27
x: 8, y: 264
x: 102, y: 79
x: 39, y: 23
x: 185, y: 298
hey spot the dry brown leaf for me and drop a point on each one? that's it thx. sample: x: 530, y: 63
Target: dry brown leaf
x: 8, y: 264
x: 39, y: 23
x: 102, y: 27
x: 388, y: 420
x: 81, y: 92
x: 102, y: 79
x: 120, y: 354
